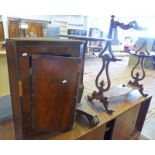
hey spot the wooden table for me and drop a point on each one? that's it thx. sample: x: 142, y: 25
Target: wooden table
x: 125, y: 123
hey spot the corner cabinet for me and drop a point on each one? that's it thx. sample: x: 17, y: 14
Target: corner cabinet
x: 46, y: 84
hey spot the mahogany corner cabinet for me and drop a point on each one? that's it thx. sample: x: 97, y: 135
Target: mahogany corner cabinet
x: 46, y: 84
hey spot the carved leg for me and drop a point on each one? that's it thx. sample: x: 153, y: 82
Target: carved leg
x: 104, y: 100
x: 136, y: 77
x: 91, y: 98
x: 142, y: 93
x: 91, y: 116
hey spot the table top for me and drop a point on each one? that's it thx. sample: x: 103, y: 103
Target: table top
x: 120, y: 105
x: 85, y: 38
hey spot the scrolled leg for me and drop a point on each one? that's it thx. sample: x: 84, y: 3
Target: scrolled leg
x: 136, y: 77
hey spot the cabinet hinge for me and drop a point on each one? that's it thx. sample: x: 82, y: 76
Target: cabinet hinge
x: 20, y: 88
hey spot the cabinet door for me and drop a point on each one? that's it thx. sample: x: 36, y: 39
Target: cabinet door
x: 49, y: 92
x: 54, y: 83
x: 125, y: 124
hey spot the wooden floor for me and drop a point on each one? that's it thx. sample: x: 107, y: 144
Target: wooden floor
x: 119, y: 73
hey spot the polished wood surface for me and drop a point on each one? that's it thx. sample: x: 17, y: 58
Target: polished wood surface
x: 60, y: 90
x: 46, y: 81
x: 125, y: 122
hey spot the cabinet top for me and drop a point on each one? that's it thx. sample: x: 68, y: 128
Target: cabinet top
x: 43, y: 40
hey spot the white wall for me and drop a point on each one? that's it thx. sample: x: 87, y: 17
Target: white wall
x: 147, y: 22
x: 100, y: 22
x: 5, y: 26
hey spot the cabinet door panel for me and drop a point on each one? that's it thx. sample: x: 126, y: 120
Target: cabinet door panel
x: 54, y: 90
x: 125, y: 124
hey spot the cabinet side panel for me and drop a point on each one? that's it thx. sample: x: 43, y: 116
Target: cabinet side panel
x: 83, y: 49
x: 14, y: 88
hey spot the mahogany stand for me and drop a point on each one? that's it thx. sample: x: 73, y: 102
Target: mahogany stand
x: 107, y: 58
x: 136, y: 77
x: 141, y: 53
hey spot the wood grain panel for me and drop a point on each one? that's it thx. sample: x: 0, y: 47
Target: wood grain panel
x: 14, y: 29
x: 54, y: 85
x: 35, y: 29
x: 125, y: 124
x: 97, y: 134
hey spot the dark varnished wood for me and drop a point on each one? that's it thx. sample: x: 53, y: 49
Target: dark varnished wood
x: 58, y: 86
x: 13, y: 80
x: 41, y: 102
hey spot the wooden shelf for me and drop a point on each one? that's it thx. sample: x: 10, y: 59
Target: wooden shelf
x: 128, y: 117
